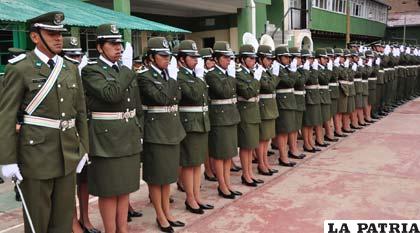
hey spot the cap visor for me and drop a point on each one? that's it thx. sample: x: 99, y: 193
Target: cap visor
x: 164, y: 53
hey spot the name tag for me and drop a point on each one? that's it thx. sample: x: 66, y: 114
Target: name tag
x: 39, y: 80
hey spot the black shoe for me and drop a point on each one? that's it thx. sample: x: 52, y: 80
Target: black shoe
x: 273, y: 170
x: 289, y: 164
x: 92, y: 230
x: 129, y: 219
x: 206, y: 206
x: 309, y: 150
x: 235, y: 193
x: 321, y: 144
x: 340, y: 135
x: 135, y: 214
x: 235, y: 168
x: 261, y: 172
x: 376, y: 117
x: 270, y: 153
x: 255, y: 161
x: 250, y: 184
x: 383, y: 114
x: 209, y: 178
x: 176, y: 224
x: 258, y: 181
x: 227, y: 196
x: 291, y: 155
x: 330, y: 139
x: 192, y: 210
x: 369, y: 121
x: 179, y: 187
x: 355, y: 127
x: 364, y: 124
x: 165, y: 229
x: 274, y: 147
x: 171, y: 200
x: 348, y: 131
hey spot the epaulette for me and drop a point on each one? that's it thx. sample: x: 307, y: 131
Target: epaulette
x: 92, y: 62
x: 141, y: 71
x: 239, y: 70
x: 17, y: 59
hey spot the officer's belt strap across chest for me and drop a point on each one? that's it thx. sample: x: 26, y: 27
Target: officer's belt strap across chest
x: 43, y: 92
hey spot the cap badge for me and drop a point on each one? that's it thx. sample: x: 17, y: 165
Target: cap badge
x: 114, y: 29
x: 73, y: 41
x: 58, y: 18
x: 165, y: 44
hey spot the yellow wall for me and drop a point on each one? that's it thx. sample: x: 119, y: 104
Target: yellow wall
x: 229, y: 35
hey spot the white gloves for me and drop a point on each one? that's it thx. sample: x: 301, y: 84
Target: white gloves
x: 315, y: 64
x: 276, y: 68
x: 347, y: 63
x: 82, y: 64
x: 173, y: 68
x: 258, y: 72
x: 402, y: 48
x: 293, y: 65
x: 127, y: 55
x: 11, y: 170
x: 330, y: 65
x: 387, y: 50
x: 408, y: 50
x: 378, y: 61
x: 232, y: 69
x: 360, y: 62
x: 199, y: 68
x: 337, y: 62
x: 306, y: 65
x: 370, y: 62
x: 354, y: 67
x: 82, y: 163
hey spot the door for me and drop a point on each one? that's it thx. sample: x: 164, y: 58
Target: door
x: 295, y: 22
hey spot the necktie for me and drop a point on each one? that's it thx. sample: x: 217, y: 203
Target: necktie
x: 164, y: 75
x: 51, y: 63
x: 226, y: 73
x: 193, y: 73
x: 115, y: 67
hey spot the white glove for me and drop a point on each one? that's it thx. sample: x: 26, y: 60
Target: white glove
x: 330, y: 65
x: 387, y: 50
x: 361, y: 49
x: 293, y: 65
x: 360, y: 62
x: 82, y: 64
x: 408, y: 50
x: 337, y: 62
x: 199, y: 68
x: 127, y: 55
x: 173, y: 68
x: 315, y: 64
x: 354, y: 67
x: 276, y: 68
x: 416, y: 52
x: 232, y: 69
x: 378, y: 61
x: 370, y: 62
x: 82, y: 163
x: 347, y: 63
x: 307, y: 65
x: 11, y: 170
x: 402, y: 48
x: 258, y: 72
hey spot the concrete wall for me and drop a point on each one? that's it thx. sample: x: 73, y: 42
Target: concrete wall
x: 412, y: 34
x: 229, y: 35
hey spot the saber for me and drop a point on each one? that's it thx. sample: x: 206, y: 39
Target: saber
x: 16, y: 181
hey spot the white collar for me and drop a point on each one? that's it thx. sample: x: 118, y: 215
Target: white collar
x: 322, y: 67
x: 71, y: 59
x: 44, y: 58
x: 282, y: 66
x: 108, y: 62
x: 189, y: 71
x: 221, y: 69
x: 247, y: 70
x: 156, y: 69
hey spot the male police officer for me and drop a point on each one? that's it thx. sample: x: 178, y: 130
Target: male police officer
x: 48, y: 92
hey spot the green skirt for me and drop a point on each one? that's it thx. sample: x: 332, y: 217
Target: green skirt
x: 365, y: 101
x: 248, y: 135
x: 194, y: 148
x: 223, y: 142
x: 359, y: 100
x: 298, y: 120
x: 110, y: 177
x: 312, y: 116
x: 342, y: 102
x: 372, y: 97
x: 334, y: 107
x: 326, y: 112
x: 351, y: 105
x: 267, y: 129
x: 285, y: 123
x: 160, y: 163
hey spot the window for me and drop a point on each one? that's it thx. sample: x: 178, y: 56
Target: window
x: 321, y: 3
x: 339, y: 6
x: 357, y: 7
x: 6, y: 42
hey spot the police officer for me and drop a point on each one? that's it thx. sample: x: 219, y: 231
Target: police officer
x: 340, y: 72
x: 334, y: 94
x: 195, y: 119
x: 224, y: 118
x: 163, y: 131
x: 372, y: 74
x: 114, y: 105
x: 53, y: 137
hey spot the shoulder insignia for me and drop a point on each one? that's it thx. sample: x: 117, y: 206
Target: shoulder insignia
x: 141, y: 71
x: 17, y: 59
x: 239, y: 70
x: 191, y: 81
x: 211, y: 69
x: 92, y: 62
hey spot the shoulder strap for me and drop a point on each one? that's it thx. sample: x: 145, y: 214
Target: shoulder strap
x: 43, y: 92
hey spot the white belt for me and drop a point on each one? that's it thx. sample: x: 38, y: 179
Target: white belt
x: 224, y: 101
x: 388, y: 69
x: 391, y: 68
x: 312, y: 87
x: 365, y: 81
x: 351, y: 82
x: 333, y: 84
x: 357, y: 79
x: 288, y: 90
x: 373, y: 79
x: 381, y: 71
x: 113, y: 115
x: 267, y: 96
x: 299, y: 92
x: 323, y: 87
x: 49, y: 123
x: 344, y: 82
x: 193, y: 108
x: 160, y: 109
x: 252, y: 100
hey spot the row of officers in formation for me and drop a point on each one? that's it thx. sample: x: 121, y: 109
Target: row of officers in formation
x: 198, y: 111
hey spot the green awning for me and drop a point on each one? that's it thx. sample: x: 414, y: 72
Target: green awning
x: 78, y: 13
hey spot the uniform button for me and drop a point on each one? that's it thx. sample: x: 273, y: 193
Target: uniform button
x: 174, y: 114
x: 39, y: 85
x: 63, y: 114
x: 59, y: 85
x: 174, y: 98
x: 126, y: 89
x: 128, y: 100
x: 204, y: 113
x: 222, y: 111
x: 106, y: 130
x: 31, y: 142
x: 285, y: 97
x: 186, y: 120
x: 61, y: 100
x: 153, y: 119
x: 244, y: 107
x: 74, y: 85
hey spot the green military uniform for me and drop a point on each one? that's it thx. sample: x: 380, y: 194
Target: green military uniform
x: 224, y: 114
x: 248, y: 88
x: 286, y: 102
x: 341, y: 73
x: 372, y: 74
x: 365, y: 73
x: 113, y: 102
x: 358, y: 81
x: 333, y: 84
x: 323, y: 80
x: 312, y: 115
x: 194, y: 111
x: 268, y: 105
x: 299, y: 90
x: 351, y: 104
x: 163, y: 131
x: 54, y: 134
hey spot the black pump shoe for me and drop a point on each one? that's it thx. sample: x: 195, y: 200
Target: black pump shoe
x: 250, y: 184
x: 165, y: 229
x: 192, y: 210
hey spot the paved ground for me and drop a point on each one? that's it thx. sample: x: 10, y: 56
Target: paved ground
x: 373, y: 174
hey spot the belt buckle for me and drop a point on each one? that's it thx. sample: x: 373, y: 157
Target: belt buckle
x: 172, y: 108
x: 64, y: 125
